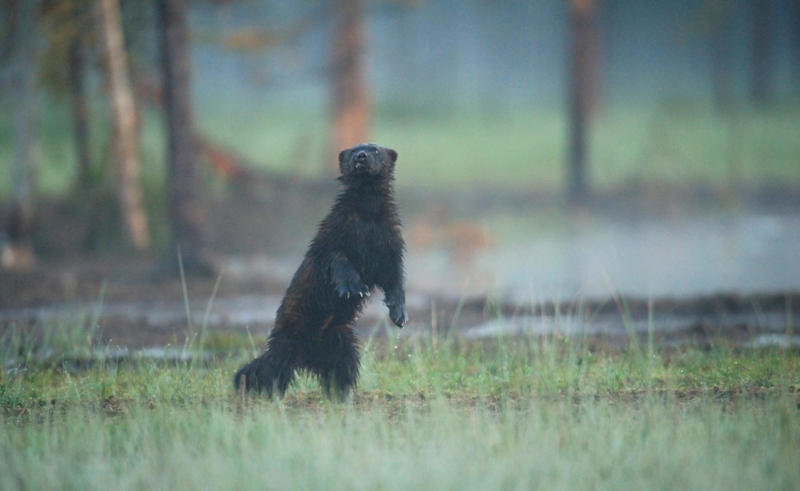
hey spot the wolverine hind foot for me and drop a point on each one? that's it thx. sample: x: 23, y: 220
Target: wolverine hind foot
x: 264, y: 375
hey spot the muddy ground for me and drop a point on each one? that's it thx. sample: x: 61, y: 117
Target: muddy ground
x: 684, y: 267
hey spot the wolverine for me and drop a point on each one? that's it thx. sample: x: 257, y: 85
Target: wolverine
x: 358, y: 247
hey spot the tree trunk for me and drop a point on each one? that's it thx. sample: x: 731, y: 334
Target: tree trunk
x: 794, y: 34
x: 80, y: 110
x: 24, y: 80
x: 351, y: 106
x: 125, y: 138
x: 721, y: 76
x: 761, y: 50
x: 183, y: 207
x: 583, y: 68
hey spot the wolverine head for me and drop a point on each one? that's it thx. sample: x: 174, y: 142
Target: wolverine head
x: 367, y: 159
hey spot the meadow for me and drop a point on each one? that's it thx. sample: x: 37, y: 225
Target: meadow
x: 675, y: 141
x: 526, y: 413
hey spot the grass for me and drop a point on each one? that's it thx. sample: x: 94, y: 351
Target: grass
x: 675, y: 140
x: 508, y: 414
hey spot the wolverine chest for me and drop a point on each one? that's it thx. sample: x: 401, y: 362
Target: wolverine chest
x: 370, y: 245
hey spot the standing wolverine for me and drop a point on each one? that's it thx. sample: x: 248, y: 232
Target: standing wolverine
x: 358, y: 246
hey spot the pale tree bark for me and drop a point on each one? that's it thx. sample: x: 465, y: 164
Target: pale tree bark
x: 24, y: 82
x: 125, y: 135
x: 350, y: 112
x: 583, y: 73
x: 184, y: 210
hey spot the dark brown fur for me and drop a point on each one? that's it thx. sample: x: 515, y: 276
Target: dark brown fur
x: 358, y: 247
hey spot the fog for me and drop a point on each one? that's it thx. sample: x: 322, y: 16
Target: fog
x: 677, y: 123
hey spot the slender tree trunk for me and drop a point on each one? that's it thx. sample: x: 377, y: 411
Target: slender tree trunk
x: 721, y: 76
x: 80, y: 110
x: 350, y: 115
x: 794, y: 34
x: 761, y: 50
x: 24, y: 79
x: 125, y: 138
x: 582, y: 72
x: 184, y: 210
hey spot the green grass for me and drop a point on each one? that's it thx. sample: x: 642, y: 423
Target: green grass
x: 677, y: 141
x: 509, y: 414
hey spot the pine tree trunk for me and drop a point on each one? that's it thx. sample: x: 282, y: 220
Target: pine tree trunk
x: 24, y: 81
x: 80, y: 112
x: 350, y: 115
x: 794, y: 35
x: 721, y: 75
x: 582, y: 72
x: 184, y: 212
x: 124, y: 114
x: 761, y: 50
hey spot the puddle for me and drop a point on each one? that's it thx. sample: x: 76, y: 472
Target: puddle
x: 615, y: 326
x: 776, y: 340
x: 114, y: 354
x: 597, y: 258
x: 243, y: 310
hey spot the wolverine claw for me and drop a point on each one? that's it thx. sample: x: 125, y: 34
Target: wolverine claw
x: 398, y: 314
x: 346, y: 290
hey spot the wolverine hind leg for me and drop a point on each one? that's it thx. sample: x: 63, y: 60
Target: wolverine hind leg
x: 337, y: 368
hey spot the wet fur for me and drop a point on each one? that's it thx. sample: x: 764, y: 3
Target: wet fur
x: 358, y: 247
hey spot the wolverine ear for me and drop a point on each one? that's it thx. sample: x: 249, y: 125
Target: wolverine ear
x: 392, y: 154
x: 342, y: 156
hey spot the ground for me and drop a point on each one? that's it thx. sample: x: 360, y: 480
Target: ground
x: 487, y: 263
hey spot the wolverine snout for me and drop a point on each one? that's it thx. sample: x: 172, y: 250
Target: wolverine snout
x: 360, y: 160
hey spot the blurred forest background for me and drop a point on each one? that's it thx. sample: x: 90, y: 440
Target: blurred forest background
x: 147, y: 130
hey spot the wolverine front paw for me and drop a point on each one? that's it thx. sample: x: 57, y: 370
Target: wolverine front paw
x: 398, y: 314
x: 352, y: 287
